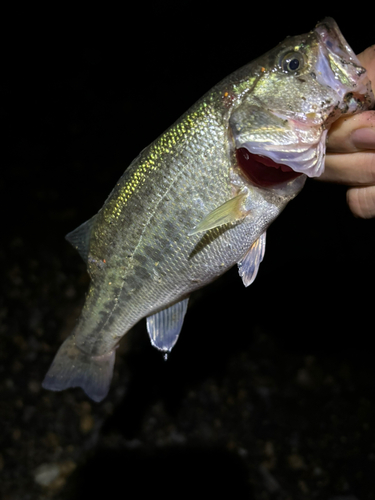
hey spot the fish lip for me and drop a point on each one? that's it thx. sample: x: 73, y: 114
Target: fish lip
x: 339, y: 67
x: 332, y: 38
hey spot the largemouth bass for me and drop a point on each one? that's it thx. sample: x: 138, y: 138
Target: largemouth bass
x: 199, y: 199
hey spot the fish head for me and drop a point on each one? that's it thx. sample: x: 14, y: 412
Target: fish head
x: 279, y: 122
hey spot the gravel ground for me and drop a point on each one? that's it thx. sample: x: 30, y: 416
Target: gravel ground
x: 269, y: 392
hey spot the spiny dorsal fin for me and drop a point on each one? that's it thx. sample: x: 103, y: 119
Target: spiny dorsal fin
x: 80, y: 238
x: 248, y: 266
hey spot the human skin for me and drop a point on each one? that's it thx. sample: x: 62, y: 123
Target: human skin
x: 350, y: 156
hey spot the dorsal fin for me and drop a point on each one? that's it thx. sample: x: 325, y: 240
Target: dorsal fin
x: 80, y: 238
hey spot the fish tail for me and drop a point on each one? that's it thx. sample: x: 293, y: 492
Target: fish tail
x: 74, y: 368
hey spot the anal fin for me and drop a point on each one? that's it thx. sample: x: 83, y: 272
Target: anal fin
x: 164, y: 326
x: 248, y: 266
x: 74, y: 368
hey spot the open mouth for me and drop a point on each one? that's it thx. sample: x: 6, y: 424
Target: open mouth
x: 263, y: 171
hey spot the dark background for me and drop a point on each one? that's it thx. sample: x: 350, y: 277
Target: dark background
x: 269, y: 393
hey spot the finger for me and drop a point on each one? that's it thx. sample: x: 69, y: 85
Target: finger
x: 361, y: 201
x: 367, y: 60
x: 353, y: 133
x: 352, y: 169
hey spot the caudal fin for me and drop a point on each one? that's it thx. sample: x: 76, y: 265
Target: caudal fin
x: 73, y: 368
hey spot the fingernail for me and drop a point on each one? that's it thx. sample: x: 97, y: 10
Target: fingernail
x: 364, y: 138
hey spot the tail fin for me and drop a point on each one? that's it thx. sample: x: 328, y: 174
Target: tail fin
x: 73, y: 368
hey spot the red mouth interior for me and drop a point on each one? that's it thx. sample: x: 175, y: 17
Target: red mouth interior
x: 263, y: 171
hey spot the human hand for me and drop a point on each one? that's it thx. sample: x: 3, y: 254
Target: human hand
x: 350, y: 155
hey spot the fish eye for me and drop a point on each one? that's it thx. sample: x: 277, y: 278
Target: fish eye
x: 292, y: 61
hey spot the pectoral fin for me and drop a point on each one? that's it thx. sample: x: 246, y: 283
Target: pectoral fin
x: 230, y: 211
x: 248, y: 266
x: 164, y: 327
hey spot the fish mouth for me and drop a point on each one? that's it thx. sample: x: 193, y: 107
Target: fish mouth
x: 339, y: 68
x: 262, y: 171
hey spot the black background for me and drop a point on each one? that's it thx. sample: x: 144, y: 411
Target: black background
x: 80, y: 101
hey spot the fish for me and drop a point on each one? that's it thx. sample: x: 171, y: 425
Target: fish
x: 199, y: 199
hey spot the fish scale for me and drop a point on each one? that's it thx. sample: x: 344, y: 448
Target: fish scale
x: 189, y: 207
x: 125, y: 287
